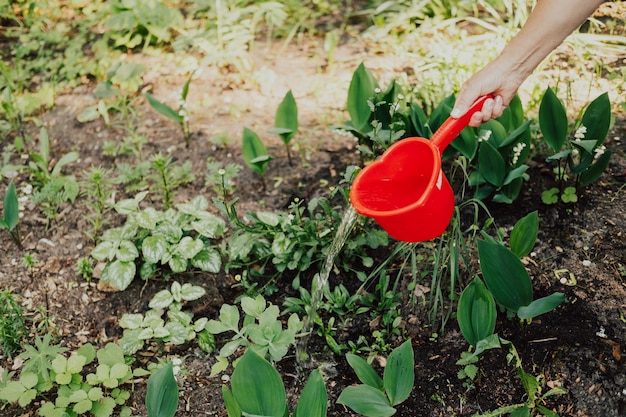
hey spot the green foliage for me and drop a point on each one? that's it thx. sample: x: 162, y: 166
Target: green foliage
x: 136, y: 22
x: 261, y: 330
x: 13, y: 328
x: 476, y: 312
x: 162, y: 393
x: 583, y: 158
x: 97, y: 188
x: 74, y: 391
x: 167, y: 176
x: 286, y: 121
x: 222, y: 178
x: 179, y: 115
x: 257, y: 390
x: 377, y: 397
x: 174, y: 241
x: 254, y: 152
x: 11, y: 215
x: 165, y: 321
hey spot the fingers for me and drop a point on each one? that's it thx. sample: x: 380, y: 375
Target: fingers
x: 492, y: 108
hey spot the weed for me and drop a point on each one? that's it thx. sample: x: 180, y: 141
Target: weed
x: 13, y: 328
x: 98, y: 189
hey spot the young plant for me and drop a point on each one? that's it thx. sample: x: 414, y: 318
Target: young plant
x: 179, y: 328
x: 261, y: 330
x: 585, y: 157
x: 257, y: 390
x: 254, y: 153
x: 13, y: 328
x: 173, y: 241
x: 376, y: 397
x: 222, y: 177
x: 162, y: 393
x: 98, y: 189
x: 179, y: 115
x: 167, y: 176
x: 286, y: 121
x: 11, y: 215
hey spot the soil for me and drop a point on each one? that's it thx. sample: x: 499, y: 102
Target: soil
x: 579, y: 346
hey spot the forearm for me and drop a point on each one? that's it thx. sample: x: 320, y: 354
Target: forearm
x: 548, y: 25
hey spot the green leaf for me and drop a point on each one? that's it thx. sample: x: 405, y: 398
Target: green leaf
x: 119, y: 274
x: 11, y: 207
x: 594, y: 172
x: 366, y: 400
x: 189, y: 247
x: 399, y: 374
x: 65, y: 159
x: 597, y: 119
x: 540, y: 306
x: 110, y: 355
x: 127, y: 251
x: 553, y: 120
x: 364, y: 371
x: 257, y: 387
x: 476, y: 312
x: 287, y: 117
x: 103, y: 408
x: 360, y: 91
x: 232, y: 408
x: 82, y: 406
x: 163, y: 108
x: 491, y: 164
x: 154, y: 248
x: 208, y: 260
x: 313, y: 400
x: 505, y: 275
x: 162, y: 395
x: 524, y: 234
x: 189, y: 292
x: 254, y: 152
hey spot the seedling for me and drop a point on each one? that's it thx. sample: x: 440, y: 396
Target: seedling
x: 10, y: 219
x: 286, y: 121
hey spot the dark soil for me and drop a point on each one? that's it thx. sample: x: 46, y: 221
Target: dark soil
x: 578, y: 346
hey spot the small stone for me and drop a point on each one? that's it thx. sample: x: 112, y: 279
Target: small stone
x: 586, y: 262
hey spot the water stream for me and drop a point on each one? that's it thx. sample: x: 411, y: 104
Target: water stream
x: 320, y: 281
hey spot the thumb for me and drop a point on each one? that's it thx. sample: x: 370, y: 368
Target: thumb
x: 463, y: 102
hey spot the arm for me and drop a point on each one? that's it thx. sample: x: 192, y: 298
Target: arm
x: 550, y: 22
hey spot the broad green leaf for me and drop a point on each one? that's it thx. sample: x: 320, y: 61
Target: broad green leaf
x: 208, y: 260
x: 597, y: 118
x: 268, y: 217
x: 594, y: 172
x: 552, y: 120
x: 154, y: 248
x: 540, y: 306
x: 110, y: 355
x: 161, y: 299
x: 131, y: 321
x: 257, y: 387
x: 491, y: 164
x: 88, y: 352
x: 232, y: 408
x: 254, y: 152
x: 127, y: 251
x: 104, y: 250
x: 148, y: 218
x: 65, y: 159
x: 189, y: 292
x: 198, y: 205
x: 189, y: 247
x: 476, y: 312
x: 119, y: 371
x: 103, y: 408
x: 209, y: 226
x: 119, y: 274
x: 524, y: 234
x: 163, y: 108
x: 360, y: 91
x: 11, y: 207
x: 169, y: 231
x: 399, y: 375
x: 89, y: 114
x: 287, y: 117
x: 254, y: 306
x: 366, y: 400
x: 505, y: 275
x: 178, y: 264
x: 364, y: 371
x: 313, y: 400
x: 82, y: 406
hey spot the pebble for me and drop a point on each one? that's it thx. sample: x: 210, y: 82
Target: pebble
x: 586, y: 262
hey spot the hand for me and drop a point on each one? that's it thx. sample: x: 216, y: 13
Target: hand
x: 495, y: 79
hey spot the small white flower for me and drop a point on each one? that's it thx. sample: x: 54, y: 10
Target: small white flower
x: 400, y: 96
x: 28, y: 188
x: 485, y: 135
x: 575, y: 152
x: 221, y: 171
x: 291, y: 217
x: 599, y: 151
x: 580, y: 132
x: 377, y: 90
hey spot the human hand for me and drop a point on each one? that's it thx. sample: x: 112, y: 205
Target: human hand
x: 490, y: 80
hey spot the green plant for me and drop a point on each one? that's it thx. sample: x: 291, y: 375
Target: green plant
x: 286, y: 121
x: 261, y: 330
x: 51, y: 187
x: 11, y: 215
x: 179, y: 327
x: 133, y: 22
x: 254, y: 153
x: 222, y: 177
x: 176, y: 238
x: 13, y: 328
x: 376, y: 397
x: 84, y: 268
x: 75, y: 391
x: 257, y: 390
x: 583, y: 158
x: 179, y: 115
x: 168, y: 176
x: 98, y: 189
x: 162, y: 393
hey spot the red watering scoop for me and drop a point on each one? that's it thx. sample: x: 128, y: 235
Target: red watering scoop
x: 405, y: 190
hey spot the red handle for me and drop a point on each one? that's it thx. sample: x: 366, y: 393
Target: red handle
x: 452, y: 127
